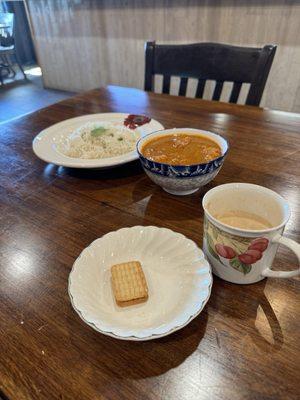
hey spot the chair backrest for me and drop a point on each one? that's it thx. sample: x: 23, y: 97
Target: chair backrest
x: 210, y: 61
x: 6, y: 29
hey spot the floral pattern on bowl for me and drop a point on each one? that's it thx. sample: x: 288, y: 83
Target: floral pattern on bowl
x: 181, y: 171
x: 234, y: 251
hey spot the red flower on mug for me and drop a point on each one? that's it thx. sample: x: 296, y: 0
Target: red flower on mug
x: 250, y: 256
x: 259, y: 244
x: 133, y: 121
x: 225, y: 251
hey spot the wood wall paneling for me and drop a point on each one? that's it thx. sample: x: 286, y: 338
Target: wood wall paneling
x: 83, y: 44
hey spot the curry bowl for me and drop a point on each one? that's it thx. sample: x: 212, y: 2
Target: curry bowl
x: 182, y: 179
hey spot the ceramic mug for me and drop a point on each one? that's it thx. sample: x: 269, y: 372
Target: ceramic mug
x: 242, y: 255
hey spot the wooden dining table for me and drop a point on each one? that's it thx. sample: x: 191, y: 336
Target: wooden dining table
x: 245, y: 342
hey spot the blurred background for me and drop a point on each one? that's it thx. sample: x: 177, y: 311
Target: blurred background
x: 68, y: 46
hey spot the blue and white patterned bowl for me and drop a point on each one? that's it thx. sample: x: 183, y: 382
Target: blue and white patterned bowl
x: 182, y: 179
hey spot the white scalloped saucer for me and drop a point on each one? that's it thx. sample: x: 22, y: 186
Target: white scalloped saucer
x: 179, y: 280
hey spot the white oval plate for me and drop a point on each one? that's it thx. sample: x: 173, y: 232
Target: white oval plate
x: 179, y: 281
x: 45, y: 143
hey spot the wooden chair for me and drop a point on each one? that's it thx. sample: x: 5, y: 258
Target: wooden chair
x: 7, y: 46
x: 213, y: 61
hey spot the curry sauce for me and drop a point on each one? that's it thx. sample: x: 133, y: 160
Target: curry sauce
x: 181, y: 149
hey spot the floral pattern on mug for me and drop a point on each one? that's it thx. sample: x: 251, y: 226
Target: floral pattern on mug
x: 234, y: 251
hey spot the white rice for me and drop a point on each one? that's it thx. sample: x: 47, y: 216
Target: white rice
x: 113, y: 140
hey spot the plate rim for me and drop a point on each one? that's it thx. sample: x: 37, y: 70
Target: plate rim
x: 153, y: 336
x: 82, y: 163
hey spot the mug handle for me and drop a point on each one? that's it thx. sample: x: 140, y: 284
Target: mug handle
x: 292, y: 245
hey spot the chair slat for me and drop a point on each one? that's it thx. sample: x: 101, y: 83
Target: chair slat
x: 183, y: 86
x: 200, y: 88
x: 149, y: 75
x: 166, y: 84
x: 210, y: 62
x: 235, y: 92
x: 218, y: 90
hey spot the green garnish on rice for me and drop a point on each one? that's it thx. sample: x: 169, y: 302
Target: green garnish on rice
x: 96, y: 140
x: 98, y: 131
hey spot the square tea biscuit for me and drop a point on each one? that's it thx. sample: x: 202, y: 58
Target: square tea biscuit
x: 129, y: 283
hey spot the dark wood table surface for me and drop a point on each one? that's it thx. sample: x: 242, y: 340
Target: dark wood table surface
x: 245, y: 343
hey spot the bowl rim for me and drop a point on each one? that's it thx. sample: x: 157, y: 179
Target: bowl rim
x: 180, y: 165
